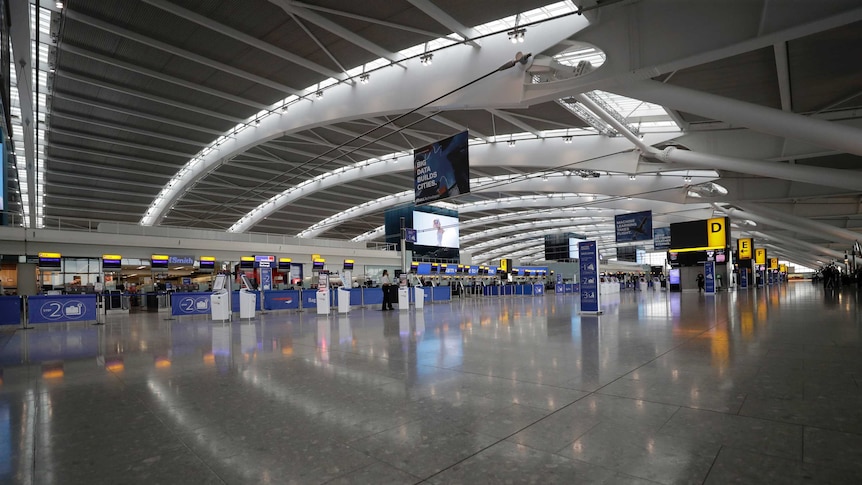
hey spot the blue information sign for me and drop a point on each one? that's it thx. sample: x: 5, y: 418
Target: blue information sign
x: 636, y: 226
x: 538, y: 290
x: 62, y: 308
x: 709, y: 277
x: 190, y: 304
x: 743, y: 278
x: 589, y: 281
x: 265, y: 278
x: 410, y: 235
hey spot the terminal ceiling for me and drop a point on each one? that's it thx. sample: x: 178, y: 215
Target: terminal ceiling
x: 133, y: 90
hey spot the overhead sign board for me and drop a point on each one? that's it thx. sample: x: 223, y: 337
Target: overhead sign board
x: 745, y: 246
x: 760, y: 256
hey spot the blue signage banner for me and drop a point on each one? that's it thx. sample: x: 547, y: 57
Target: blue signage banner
x: 743, y: 278
x: 190, y: 304
x: 265, y: 279
x: 281, y: 300
x: 636, y: 226
x: 10, y: 309
x: 709, y: 277
x: 559, y: 288
x: 661, y: 238
x: 182, y: 260
x: 309, y: 298
x: 539, y: 290
x: 372, y: 296
x: 589, y: 280
x: 410, y: 235
x: 62, y: 308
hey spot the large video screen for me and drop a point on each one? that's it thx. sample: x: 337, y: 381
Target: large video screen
x: 573, y: 247
x: 435, y: 230
x: 442, y: 169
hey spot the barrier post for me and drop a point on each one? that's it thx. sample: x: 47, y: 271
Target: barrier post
x: 100, y: 309
x: 25, y: 313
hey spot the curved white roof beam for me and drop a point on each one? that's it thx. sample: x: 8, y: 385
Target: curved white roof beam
x: 550, y: 200
x: 655, y: 187
x: 383, y: 96
x: 572, y: 223
x: 492, y: 253
x: 585, y: 153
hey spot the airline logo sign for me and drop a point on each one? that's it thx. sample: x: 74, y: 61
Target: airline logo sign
x: 760, y: 256
x: 745, y: 245
x: 716, y: 232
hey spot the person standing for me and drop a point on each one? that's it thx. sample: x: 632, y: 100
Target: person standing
x: 386, y: 284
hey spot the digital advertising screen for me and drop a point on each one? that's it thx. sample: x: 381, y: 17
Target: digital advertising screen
x: 436, y: 230
x: 442, y: 169
x: 636, y: 226
x: 573, y: 247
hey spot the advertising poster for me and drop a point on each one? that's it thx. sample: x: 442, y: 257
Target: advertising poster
x: 661, y: 238
x: 709, y: 277
x: 59, y: 309
x: 589, y: 282
x: 442, y: 169
x: 636, y: 226
x: 436, y: 230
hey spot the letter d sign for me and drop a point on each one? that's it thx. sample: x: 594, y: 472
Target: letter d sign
x: 716, y: 235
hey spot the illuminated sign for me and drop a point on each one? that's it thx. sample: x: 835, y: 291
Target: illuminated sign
x: 773, y: 263
x: 112, y: 261
x: 159, y: 261
x: 782, y: 268
x: 745, y: 245
x: 49, y: 260
x: 700, y: 235
x: 760, y: 256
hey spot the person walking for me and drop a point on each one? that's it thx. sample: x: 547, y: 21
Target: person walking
x: 386, y: 284
x: 700, y: 282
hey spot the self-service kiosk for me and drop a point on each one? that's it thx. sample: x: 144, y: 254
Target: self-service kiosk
x: 220, y: 299
x: 247, y: 299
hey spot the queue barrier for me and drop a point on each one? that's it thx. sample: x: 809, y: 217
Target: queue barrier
x: 61, y: 308
x: 10, y: 310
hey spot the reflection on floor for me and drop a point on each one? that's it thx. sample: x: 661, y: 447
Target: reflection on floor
x: 755, y: 387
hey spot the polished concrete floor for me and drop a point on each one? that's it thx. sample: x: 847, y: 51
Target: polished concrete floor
x: 749, y: 387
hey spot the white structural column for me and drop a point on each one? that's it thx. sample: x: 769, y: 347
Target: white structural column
x: 790, y: 222
x: 831, y: 177
x: 759, y: 118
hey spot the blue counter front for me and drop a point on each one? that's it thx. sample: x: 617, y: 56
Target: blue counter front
x: 10, y: 310
x: 373, y: 296
x: 62, y: 308
x: 441, y: 293
x: 281, y: 300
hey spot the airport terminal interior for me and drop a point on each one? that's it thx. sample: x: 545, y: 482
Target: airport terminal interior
x: 430, y: 241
